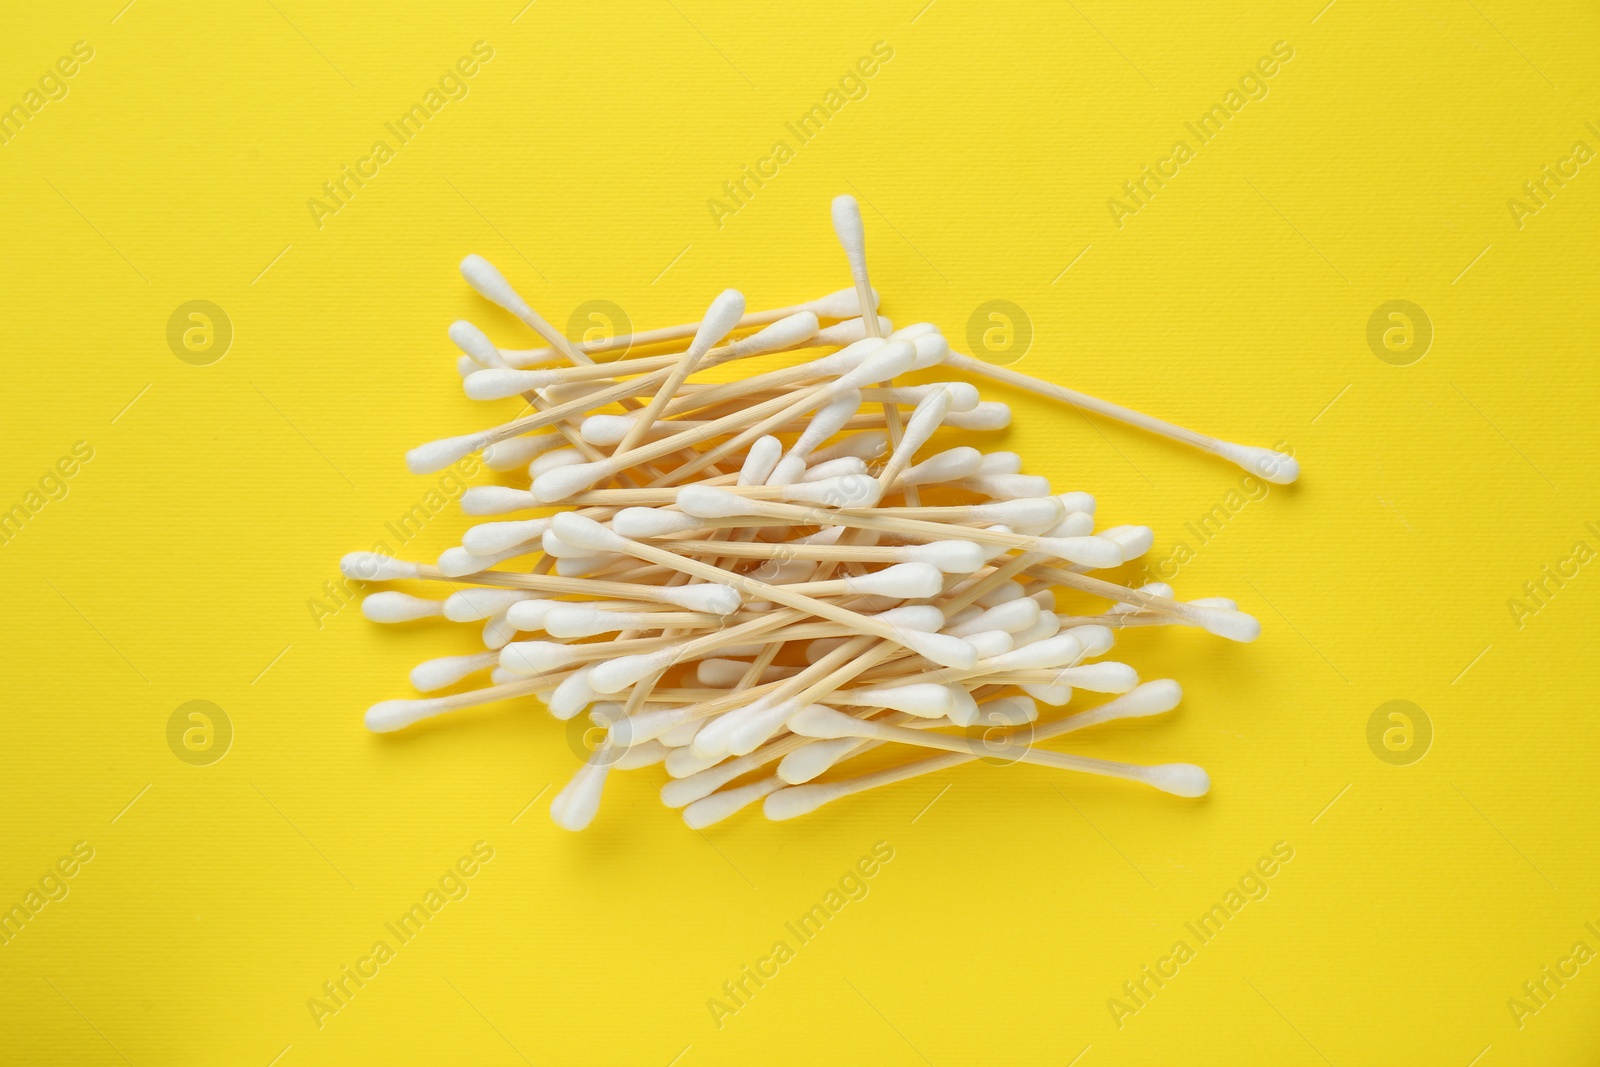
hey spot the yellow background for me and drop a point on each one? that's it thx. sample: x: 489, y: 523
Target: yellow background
x: 180, y: 565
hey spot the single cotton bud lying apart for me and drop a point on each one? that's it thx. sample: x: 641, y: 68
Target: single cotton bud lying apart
x: 752, y: 572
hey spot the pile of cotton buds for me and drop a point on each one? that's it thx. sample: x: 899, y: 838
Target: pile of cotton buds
x: 745, y: 583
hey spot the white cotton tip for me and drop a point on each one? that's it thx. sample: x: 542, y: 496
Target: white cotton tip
x: 645, y: 725
x: 1151, y: 698
x: 681, y: 763
x: 719, y: 806
x: 1004, y: 618
x: 1215, y: 602
x: 1160, y: 589
x: 920, y: 618
x: 471, y: 605
x: 457, y: 562
x: 964, y: 396
x: 607, y: 430
x: 989, y: 415
x: 1057, y: 651
x: 498, y: 383
x: 399, y: 607
x: 1008, y: 711
x: 1076, y: 501
x: 496, y: 500
x: 1234, y: 625
x: 719, y: 673
x: 644, y: 754
x: 797, y: 800
x: 514, y: 453
x: 1057, y: 696
x: 761, y: 460
x: 1045, y: 598
x: 709, y: 502
x: 1003, y: 593
x: 533, y: 658
x: 990, y: 643
x: 1264, y: 463
x: 501, y: 676
x: 951, y: 465
x: 561, y: 457
x: 615, y: 675
x: 828, y: 420
x: 1179, y: 779
x: 1096, y: 640
x: 1012, y: 617
x: 490, y: 284
x: 575, y: 807
x: 913, y: 331
x: 843, y: 304
x: 1046, y: 625
x: 563, y: 482
x: 712, y: 740
x: 701, y: 596
x: 581, y: 531
x: 376, y: 567
x: 821, y: 721
x: 903, y: 581
x: 652, y: 522
x: 583, y: 567
x: 434, y: 674
x: 942, y: 649
x: 950, y: 557
x: 1135, y: 540
x: 833, y: 468
x: 1000, y: 463
x: 808, y: 761
x: 475, y: 343
x: 930, y: 350
x: 576, y: 620
x: 850, y: 231
x: 848, y: 332
x: 1073, y: 524
x: 487, y: 538
x: 755, y: 730
x: 925, y: 420
x: 894, y: 358
x: 555, y: 547
x: 786, y: 471
x: 1026, y: 513
x: 923, y: 699
x: 1093, y: 552
x: 850, y: 491
x: 529, y: 615
x: 964, y: 711
x: 1100, y: 677
x: 437, y: 455
x: 791, y: 331
x: 680, y: 735
x: 867, y: 445
x: 572, y: 695
x: 497, y: 632
x: 720, y: 318
x: 387, y: 716
x: 466, y: 365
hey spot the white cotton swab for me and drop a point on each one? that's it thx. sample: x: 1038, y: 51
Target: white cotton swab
x: 1275, y: 467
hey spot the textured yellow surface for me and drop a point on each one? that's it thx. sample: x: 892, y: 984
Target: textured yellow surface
x: 186, y: 555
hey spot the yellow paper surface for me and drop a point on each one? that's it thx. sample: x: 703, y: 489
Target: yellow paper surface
x: 1438, y: 551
